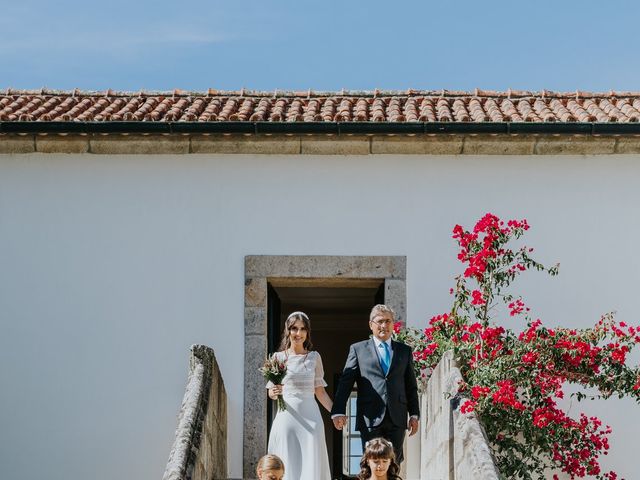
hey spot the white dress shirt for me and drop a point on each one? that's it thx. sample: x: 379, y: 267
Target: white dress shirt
x: 380, y: 349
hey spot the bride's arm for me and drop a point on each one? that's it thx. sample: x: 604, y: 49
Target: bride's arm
x: 323, y: 398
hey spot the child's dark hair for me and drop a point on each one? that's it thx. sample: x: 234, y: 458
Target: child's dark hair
x: 376, y: 449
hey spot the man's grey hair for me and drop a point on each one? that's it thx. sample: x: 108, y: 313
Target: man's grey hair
x: 380, y: 308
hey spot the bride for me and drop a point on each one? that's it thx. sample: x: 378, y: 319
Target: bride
x: 297, y: 433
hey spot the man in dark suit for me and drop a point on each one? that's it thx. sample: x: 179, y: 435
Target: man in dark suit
x: 387, y: 387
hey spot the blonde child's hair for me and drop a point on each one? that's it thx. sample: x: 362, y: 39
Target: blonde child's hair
x: 269, y: 462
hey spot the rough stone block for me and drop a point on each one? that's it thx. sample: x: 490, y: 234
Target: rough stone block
x: 255, y: 321
x: 574, y: 145
x: 12, y: 144
x: 204, y: 453
x: 213, y: 406
x: 316, y: 145
x: 628, y: 145
x: 454, y: 445
x: 254, y: 354
x: 498, y: 145
x: 247, y: 144
x: 471, y: 454
x: 371, y: 267
x: 325, y: 266
x: 437, y: 437
x: 221, y: 454
x: 199, y: 472
x: 62, y: 143
x: 395, y: 295
x: 417, y: 145
x: 217, y: 411
x: 412, y: 456
x: 221, y: 402
x: 255, y: 292
x: 139, y: 144
x: 255, y: 403
x: 208, y: 436
x: 442, y: 383
x: 222, y: 417
x: 255, y: 445
x: 215, y: 444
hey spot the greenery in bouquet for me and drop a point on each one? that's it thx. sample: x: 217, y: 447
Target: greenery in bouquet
x: 274, y: 371
x: 516, y: 376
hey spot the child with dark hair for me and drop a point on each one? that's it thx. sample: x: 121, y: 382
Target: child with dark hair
x: 379, y: 461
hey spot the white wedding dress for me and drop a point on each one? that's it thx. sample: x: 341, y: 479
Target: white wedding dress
x: 297, y: 433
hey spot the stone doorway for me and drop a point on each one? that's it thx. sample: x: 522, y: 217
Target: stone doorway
x: 331, y: 288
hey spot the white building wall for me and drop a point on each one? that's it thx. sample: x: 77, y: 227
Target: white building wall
x: 112, y: 266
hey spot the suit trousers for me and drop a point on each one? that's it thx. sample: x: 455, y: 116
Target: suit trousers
x: 388, y: 431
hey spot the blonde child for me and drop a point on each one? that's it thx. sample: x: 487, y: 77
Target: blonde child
x: 379, y: 461
x: 270, y: 467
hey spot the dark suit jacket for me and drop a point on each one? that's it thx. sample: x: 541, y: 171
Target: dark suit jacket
x: 396, y: 393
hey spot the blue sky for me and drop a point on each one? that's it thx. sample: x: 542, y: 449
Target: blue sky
x: 329, y: 45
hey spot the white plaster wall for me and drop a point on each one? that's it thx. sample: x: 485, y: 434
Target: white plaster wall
x: 112, y: 266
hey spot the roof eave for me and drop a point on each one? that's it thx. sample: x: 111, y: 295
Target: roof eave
x: 335, y: 128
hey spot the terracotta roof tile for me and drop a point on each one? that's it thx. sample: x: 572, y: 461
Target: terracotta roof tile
x: 443, y: 113
x: 378, y: 110
x: 396, y: 107
x: 427, y: 111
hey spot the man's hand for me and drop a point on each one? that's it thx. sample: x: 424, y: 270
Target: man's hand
x: 412, y: 426
x: 340, y: 422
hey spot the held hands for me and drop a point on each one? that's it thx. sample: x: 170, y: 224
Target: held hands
x: 275, y: 391
x: 340, y: 422
x: 412, y: 426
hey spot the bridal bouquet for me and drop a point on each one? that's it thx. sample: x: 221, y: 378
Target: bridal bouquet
x: 274, y: 371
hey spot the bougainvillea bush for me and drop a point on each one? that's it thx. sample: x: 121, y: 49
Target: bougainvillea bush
x: 515, y: 376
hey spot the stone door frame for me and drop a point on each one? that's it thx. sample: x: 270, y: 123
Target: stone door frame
x: 312, y: 271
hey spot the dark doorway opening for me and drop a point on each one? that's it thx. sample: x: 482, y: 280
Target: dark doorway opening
x: 339, y: 314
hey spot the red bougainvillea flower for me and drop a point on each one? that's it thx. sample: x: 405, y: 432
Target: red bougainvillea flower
x: 469, y: 406
x: 516, y: 307
x: 530, y: 357
x: 506, y: 395
x: 515, y: 376
x: 477, y: 391
x: 477, y: 298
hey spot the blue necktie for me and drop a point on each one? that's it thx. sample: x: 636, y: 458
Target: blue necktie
x: 385, y: 358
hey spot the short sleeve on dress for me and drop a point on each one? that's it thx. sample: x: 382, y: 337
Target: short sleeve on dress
x: 319, y: 376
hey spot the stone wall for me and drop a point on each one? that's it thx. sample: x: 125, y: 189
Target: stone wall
x: 453, y: 446
x: 426, y: 144
x: 199, y: 450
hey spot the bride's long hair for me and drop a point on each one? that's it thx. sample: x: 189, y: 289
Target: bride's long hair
x: 291, y: 319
